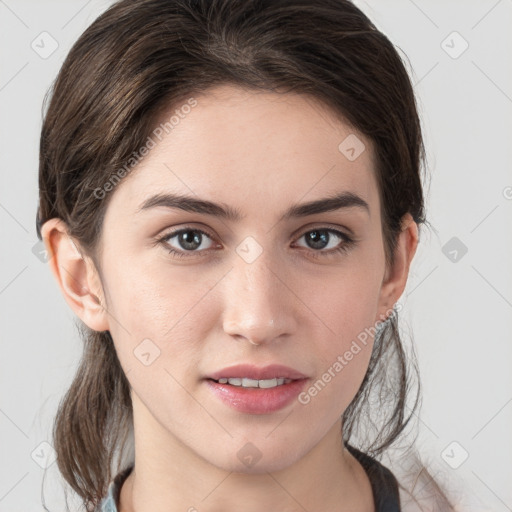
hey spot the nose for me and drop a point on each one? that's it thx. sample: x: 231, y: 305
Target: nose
x: 259, y: 304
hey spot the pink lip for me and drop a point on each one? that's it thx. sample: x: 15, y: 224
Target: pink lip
x: 253, y: 372
x: 257, y: 400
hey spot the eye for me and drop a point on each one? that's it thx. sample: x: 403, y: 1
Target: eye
x: 186, y: 240
x: 327, y: 238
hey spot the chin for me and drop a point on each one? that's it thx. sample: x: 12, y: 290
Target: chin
x: 250, y: 460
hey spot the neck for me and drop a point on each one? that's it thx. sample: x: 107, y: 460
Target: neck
x: 168, y: 477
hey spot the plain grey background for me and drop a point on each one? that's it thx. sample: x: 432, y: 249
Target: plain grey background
x: 458, y: 301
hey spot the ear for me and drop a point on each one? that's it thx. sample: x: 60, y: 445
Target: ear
x: 76, y: 275
x: 395, y: 277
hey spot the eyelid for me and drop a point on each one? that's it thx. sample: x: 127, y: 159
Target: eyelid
x: 326, y: 226
x: 340, y: 234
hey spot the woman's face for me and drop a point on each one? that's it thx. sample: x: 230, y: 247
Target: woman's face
x: 263, y: 288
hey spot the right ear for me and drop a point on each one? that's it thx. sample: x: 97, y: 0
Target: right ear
x: 76, y: 275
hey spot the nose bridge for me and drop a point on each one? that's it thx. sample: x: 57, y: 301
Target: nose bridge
x: 258, y: 304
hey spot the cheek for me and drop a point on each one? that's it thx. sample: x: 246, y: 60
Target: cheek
x: 343, y: 360
x: 157, y: 295
x: 159, y: 310
x: 159, y: 328
x: 345, y: 300
x: 347, y: 305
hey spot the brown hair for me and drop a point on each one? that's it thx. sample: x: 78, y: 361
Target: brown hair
x: 143, y: 57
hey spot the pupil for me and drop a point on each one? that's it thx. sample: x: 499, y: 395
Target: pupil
x: 185, y: 240
x: 319, y: 239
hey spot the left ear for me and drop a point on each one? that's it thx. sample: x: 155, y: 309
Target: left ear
x: 395, y: 277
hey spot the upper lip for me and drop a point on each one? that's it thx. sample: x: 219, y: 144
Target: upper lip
x: 253, y: 372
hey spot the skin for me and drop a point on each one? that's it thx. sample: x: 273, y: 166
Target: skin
x: 259, y: 153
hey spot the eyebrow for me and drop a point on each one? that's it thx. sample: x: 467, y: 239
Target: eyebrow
x: 187, y: 203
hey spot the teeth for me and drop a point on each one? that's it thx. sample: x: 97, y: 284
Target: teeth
x: 253, y: 383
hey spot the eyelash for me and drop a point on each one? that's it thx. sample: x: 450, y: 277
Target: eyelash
x: 346, y: 243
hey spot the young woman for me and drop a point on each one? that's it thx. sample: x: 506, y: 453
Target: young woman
x: 230, y: 194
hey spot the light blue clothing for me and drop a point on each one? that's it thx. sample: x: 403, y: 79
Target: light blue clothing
x: 110, y: 501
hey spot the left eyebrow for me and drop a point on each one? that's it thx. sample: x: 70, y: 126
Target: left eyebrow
x: 187, y: 203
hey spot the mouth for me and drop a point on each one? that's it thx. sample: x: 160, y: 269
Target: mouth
x: 245, y: 382
x: 256, y: 390
x: 244, y: 396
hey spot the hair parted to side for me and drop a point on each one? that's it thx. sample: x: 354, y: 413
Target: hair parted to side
x: 141, y: 58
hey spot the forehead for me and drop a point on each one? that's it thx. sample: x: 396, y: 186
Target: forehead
x: 247, y: 148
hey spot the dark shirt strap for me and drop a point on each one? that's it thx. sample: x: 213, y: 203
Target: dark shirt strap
x: 383, y: 482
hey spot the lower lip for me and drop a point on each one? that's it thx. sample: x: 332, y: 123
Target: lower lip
x: 257, y: 400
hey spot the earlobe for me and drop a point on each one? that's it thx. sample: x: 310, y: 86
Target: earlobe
x: 396, y: 276
x: 76, y: 275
